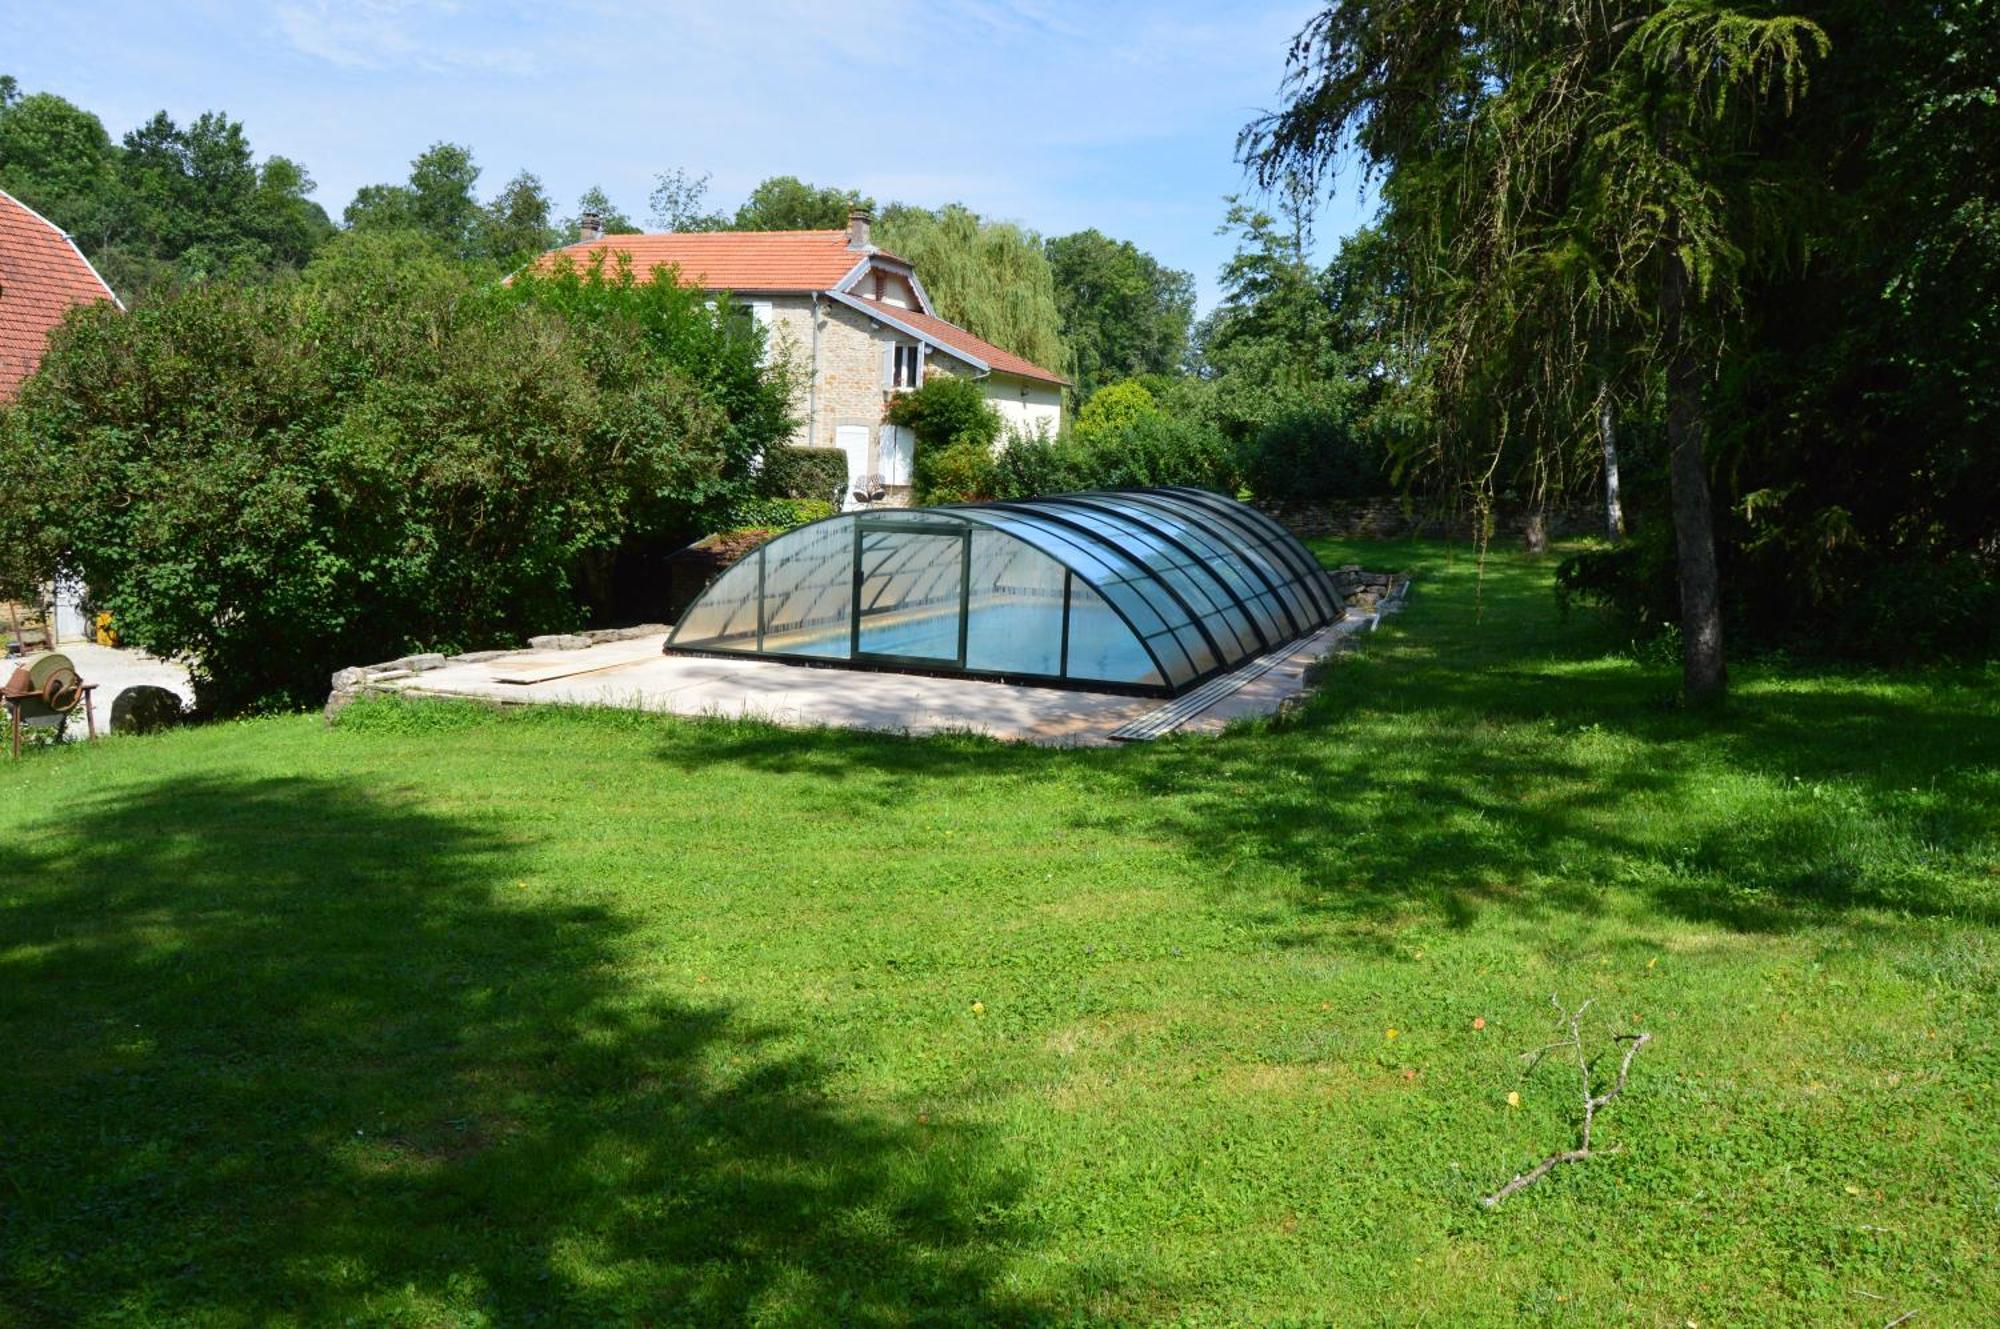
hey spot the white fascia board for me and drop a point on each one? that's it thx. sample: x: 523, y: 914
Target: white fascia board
x: 896, y: 265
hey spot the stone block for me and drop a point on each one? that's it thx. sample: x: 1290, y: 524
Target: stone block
x: 559, y: 641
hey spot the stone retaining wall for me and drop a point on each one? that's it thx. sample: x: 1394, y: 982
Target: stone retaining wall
x: 1392, y: 519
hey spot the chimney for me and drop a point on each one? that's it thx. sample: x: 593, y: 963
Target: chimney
x: 857, y: 229
x: 589, y: 227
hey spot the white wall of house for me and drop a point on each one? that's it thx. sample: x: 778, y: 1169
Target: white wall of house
x: 1025, y: 404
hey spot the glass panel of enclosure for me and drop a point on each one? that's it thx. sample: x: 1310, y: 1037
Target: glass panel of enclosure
x: 725, y: 617
x: 909, y: 597
x: 1014, y: 608
x: 1147, y: 588
x: 809, y: 590
x: 1250, y: 569
x: 1101, y: 647
x: 1205, y: 598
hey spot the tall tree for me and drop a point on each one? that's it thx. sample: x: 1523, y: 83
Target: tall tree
x: 679, y: 202
x: 1124, y: 313
x: 517, y: 223
x: 991, y: 278
x: 437, y: 200
x: 1560, y: 174
x: 609, y: 216
x: 58, y: 158
x: 787, y: 203
x: 442, y: 203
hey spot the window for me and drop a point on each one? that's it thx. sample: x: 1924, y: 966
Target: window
x: 909, y: 368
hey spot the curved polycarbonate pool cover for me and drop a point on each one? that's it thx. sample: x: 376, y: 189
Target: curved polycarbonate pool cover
x: 1136, y: 590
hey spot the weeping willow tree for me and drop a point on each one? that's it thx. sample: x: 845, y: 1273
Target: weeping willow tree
x: 1580, y: 189
x: 991, y: 278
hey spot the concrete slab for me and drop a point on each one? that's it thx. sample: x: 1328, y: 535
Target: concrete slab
x: 635, y: 675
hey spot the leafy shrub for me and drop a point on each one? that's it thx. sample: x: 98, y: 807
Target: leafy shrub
x: 955, y: 428
x: 1036, y: 463
x: 790, y: 472
x: 1150, y: 449
x: 1313, y: 452
x: 776, y: 514
x: 1113, y: 409
x: 280, y: 480
x: 956, y: 473
x: 1158, y: 449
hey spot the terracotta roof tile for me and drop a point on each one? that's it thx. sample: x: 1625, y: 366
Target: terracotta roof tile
x: 41, y: 277
x: 729, y: 260
x: 950, y: 334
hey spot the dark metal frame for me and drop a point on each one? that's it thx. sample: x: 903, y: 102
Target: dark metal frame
x: 1170, y: 517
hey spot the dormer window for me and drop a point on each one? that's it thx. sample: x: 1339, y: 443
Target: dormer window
x: 909, y: 368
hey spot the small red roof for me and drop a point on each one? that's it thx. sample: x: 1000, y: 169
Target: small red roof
x: 958, y: 339
x: 729, y: 260
x: 42, y: 275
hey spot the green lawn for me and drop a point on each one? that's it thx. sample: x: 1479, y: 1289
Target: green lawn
x: 443, y: 1018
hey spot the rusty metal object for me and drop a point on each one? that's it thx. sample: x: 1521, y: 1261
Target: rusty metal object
x: 46, y: 688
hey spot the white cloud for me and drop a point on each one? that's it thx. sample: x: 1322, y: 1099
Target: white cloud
x: 397, y: 34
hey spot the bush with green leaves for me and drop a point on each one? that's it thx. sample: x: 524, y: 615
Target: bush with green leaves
x: 1148, y: 448
x: 1158, y: 449
x: 1113, y: 409
x: 776, y: 514
x: 1314, y: 452
x: 955, y: 428
x: 279, y: 480
x: 792, y: 472
x: 1037, y: 462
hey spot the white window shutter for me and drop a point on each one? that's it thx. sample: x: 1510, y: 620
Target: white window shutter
x: 923, y: 363
x: 888, y: 365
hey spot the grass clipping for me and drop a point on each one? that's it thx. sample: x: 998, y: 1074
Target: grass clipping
x: 1593, y: 1103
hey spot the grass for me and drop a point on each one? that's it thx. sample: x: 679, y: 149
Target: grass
x: 448, y: 1018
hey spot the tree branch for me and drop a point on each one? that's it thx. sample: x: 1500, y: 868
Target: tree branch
x: 1592, y: 1103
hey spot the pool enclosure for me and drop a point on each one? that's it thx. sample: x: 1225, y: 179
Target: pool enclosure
x: 1145, y: 590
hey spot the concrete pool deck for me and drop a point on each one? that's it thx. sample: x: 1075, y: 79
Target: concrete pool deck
x: 633, y: 674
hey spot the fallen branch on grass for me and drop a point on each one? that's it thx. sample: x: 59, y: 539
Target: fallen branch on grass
x: 1592, y: 1103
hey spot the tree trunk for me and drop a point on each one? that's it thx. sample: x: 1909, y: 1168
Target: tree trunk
x: 1704, y: 677
x: 1607, y: 429
x: 1535, y: 528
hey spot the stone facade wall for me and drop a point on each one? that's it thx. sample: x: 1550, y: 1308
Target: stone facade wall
x: 850, y: 390
x: 1390, y: 519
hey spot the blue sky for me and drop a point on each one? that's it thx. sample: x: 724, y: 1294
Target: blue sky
x: 1060, y: 116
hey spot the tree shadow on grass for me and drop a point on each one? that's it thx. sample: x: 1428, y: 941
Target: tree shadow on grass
x: 1454, y: 766
x: 281, y: 1050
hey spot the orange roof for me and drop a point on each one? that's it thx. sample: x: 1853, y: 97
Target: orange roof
x: 958, y: 339
x: 730, y: 260
x: 41, y: 276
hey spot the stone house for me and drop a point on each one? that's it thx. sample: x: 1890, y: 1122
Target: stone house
x: 854, y: 320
